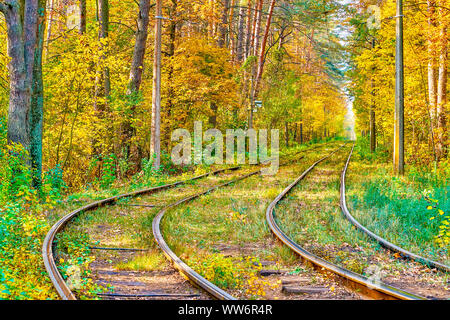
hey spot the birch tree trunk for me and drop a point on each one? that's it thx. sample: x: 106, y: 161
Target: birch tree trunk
x: 442, y: 95
x: 240, y: 33
x: 231, y: 35
x: 49, y: 24
x: 432, y: 69
x: 257, y: 26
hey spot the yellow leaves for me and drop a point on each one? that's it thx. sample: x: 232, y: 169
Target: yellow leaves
x: 238, y: 217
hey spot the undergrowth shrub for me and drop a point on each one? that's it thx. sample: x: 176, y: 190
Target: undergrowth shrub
x: 231, y: 273
x: 23, y: 223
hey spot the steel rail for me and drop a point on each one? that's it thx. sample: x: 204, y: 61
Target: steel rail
x: 376, y: 290
x: 383, y: 242
x: 181, y: 266
x: 47, y: 248
x: 187, y: 271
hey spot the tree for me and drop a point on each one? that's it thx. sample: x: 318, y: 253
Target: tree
x: 262, y: 51
x: 137, y: 68
x: 25, y: 20
x: 155, y: 145
x: 82, y: 8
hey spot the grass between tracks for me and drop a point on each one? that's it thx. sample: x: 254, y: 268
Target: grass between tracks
x: 311, y: 216
x: 123, y: 225
x: 412, y: 211
x: 224, y: 235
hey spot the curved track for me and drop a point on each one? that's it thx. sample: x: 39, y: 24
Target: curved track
x: 350, y: 279
x: 383, y: 242
x: 47, y: 249
x: 193, y: 276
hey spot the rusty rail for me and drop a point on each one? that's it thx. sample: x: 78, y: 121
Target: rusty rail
x: 47, y: 249
x: 350, y: 279
x: 383, y: 242
x: 48, y: 246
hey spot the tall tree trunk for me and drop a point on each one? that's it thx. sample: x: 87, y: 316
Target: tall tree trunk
x: 432, y: 63
x: 248, y: 37
x: 231, y: 35
x: 104, y: 33
x: 301, y: 132
x: 286, y: 134
x: 137, y: 65
x: 36, y: 116
x: 294, y: 138
x: 240, y: 34
x: 257, y: 25
x: 221, y: 43
x: 213, y: 117
x: 442, y: 94
x: 25, y: 23
x: 373, y: 133
x: 262, y: 52
x: 171, y: 53
x: 135, y: 80
x: 222, y: 40
x: 155, y: 148
x: 82, y: 7
x: 20, y: 82
x: 49, y: 25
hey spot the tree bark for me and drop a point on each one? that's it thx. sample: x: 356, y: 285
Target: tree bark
x: 135, y: 79
x: 37, y: 99
x: 286, y: 134
x: 257, y: 25
x: 262, y: 52
x: 248, y: 37
x: 49, y: 24
x: 301, y: 132
x: 170, y: 54
x: 82, y: 6
x: 155, y: 149
x: 231, y: 35
x: 442, y: 95
x: 104, y: 33
x: 222, y: 40
x: 240, y: 34
x: 137, y: 64
x: 432, y: 69
x: 25, y: 23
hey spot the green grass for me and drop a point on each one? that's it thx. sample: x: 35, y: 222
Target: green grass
x: 150, y: 261
x: 396, y: 207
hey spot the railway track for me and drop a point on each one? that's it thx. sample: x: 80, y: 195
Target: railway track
x: 355, y: 281
x: 48, y: 246
x: 47, y: 249
x: 383, y: 242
